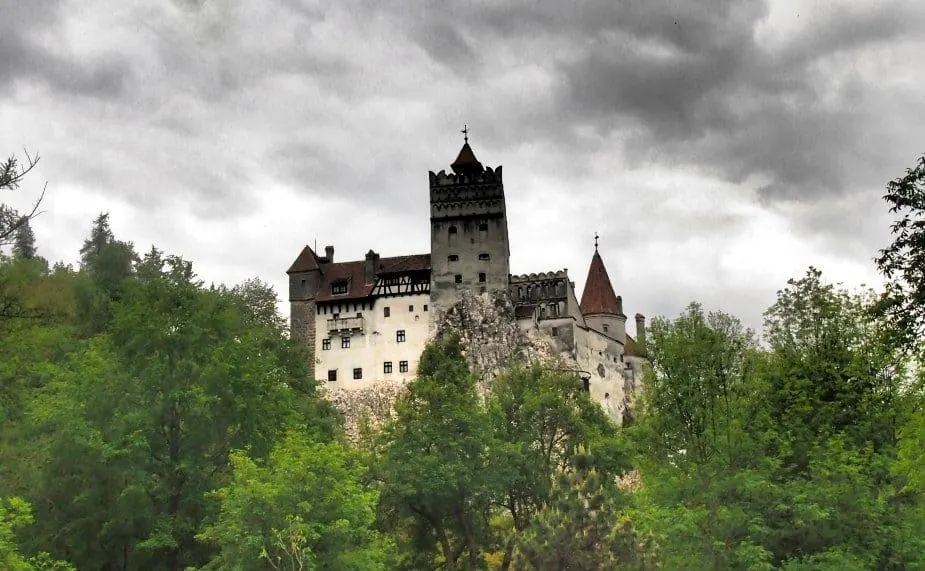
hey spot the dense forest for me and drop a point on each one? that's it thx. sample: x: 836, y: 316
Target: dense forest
x: 151, y: 421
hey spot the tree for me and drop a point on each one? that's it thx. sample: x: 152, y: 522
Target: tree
x: 581, y: 527
x: 194, y: 381
x: 106, y: 265
x: 538, y: 416
x: 831, y: 367
x: 436, y: 467
x: 12, y: 173
x: 903, y: 261
x: 14, y: 514
x: 699, y: 370
x: 24, y: 243
x: 304, y: 508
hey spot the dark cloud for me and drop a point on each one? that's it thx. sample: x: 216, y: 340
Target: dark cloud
x: 25, y: 56
x: 443, y: 42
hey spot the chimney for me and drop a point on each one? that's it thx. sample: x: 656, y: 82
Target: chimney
x: 641, y: 335
x: 372, y: 260
x: 329, y: 254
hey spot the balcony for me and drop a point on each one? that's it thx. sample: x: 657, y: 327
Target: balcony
x: 346, y: 324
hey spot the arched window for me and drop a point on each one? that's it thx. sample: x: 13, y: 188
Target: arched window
x: 451, y: 235
x: 483, y: 231
x: 484, y: 257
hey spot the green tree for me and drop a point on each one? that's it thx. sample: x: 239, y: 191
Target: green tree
x: 15, y: 514
x: 12, y: 173
x: 194, y: 381
x: 831, y: 367
x: 24, y: 242
x: 580, y: 527
x: 106, y: 266
x: 903, y: 261
x: 305, y: 508
x: 538, y: 416
x: 436, y: 467
x: 699, y: 374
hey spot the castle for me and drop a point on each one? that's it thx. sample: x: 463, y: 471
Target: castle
x: 367, y: 321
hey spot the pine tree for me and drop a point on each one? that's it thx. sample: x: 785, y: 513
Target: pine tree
x: 24, y: 242
x: 100, y: 237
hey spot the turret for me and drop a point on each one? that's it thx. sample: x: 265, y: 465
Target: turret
x: 601, y: 308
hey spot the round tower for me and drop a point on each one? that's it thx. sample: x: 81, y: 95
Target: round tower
x: 600, y: 306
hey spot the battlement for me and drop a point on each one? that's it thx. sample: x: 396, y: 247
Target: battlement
x: 483, y: 176
x: 523, y: 278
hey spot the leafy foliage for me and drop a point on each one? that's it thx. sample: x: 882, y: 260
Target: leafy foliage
x: 304, y: 508
x: 903, y: 261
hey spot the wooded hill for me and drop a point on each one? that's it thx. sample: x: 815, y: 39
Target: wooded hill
x: 148, y: 421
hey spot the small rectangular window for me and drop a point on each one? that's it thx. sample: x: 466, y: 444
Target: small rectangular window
x: 452, y: 258
x: 606, y: 328
x: 387, y: 367
x: 400, y: 336
x: 555, y: 332
x: 458, y: 279
x: 425, y: 307
x: 411, y: 309
x: 483, y: 257
x: 336, y: 316
x: 332, y: 375
x: 403, y: 366
x: 303, y: 282
x: 326, y: 344
x: 345, y: 342
x: 358, y: 373
x: 359, y: 314
x: 482, y: 278
x: 386, y: 311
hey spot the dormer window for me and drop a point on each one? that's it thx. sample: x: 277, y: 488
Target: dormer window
x: 339, y: 287
x: 484, y: 257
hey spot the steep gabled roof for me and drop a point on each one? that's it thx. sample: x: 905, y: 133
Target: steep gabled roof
x: 306, y: 262
x: 598, y: 296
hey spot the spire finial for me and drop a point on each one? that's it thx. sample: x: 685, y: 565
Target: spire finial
x: 595, y: 241
x: 465, y: 132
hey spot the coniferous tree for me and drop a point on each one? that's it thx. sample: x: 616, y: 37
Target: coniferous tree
x: 24, y: 243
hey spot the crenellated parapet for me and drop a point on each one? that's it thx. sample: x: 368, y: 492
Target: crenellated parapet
x: 468, y: 177
x: 546, y: 292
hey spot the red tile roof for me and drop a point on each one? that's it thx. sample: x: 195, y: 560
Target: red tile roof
x: 354, y: 273
x: 598, y: 296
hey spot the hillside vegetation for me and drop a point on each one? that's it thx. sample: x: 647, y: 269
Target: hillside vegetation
x: 149, y: 421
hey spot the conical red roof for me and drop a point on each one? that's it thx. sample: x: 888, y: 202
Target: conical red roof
x: 466, y: 160
x: 598, y: 296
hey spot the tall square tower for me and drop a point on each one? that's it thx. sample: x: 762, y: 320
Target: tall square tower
x: 468, y: 230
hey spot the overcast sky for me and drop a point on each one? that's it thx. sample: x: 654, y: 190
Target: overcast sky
x: 719, y: 147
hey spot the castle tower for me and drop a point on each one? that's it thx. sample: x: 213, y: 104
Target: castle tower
x: 305, y: 277
x: 601, y: 308
x: 468, y: 223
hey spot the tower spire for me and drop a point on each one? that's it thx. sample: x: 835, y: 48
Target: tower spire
x: 465, y: 132
x: 595, y: 241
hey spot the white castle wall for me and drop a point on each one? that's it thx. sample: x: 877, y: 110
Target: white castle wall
x: 376, y: 344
